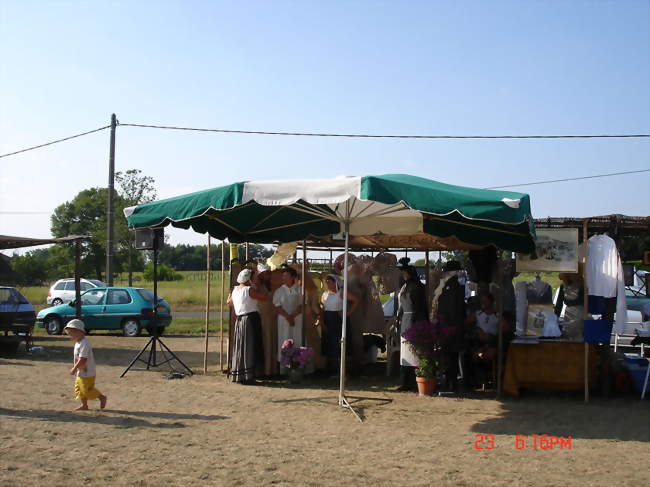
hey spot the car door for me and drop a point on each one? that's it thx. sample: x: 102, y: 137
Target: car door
x: 119, y: 305
x: 68, y: 292
x: 92, y: 307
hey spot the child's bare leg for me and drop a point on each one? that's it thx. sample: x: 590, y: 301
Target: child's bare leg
x: 102, y: 401
x: 83, y: 407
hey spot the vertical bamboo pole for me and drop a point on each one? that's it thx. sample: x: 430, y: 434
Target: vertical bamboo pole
x: 247, y: 253
x: 207, y: 307
x: 223, y: 283
x: 585, y: 238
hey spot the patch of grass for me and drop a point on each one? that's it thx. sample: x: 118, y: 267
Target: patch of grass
x: 195, y: 326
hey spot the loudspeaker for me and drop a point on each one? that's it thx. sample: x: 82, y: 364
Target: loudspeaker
x: 149, y: 238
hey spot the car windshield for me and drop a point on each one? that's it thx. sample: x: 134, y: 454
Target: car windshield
x: 97, y: 283
x: 9, y: 295
x: 147, y: 295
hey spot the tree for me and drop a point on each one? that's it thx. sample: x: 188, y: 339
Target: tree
x: 134, y: 189
x: 86, y: 215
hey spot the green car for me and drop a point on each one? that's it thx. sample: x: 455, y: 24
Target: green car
x: 109, y: 308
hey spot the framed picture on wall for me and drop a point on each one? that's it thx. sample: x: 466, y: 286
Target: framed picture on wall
x: 556, y: 250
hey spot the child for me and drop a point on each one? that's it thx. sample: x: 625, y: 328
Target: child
x: 84, y: 366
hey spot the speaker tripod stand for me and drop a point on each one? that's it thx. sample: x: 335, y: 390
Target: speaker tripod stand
x: 154, y: 344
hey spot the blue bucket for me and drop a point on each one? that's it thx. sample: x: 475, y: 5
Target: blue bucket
x: 598, y: 331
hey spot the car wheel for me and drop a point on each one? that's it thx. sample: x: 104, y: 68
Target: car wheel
x: 53, y: 325
x: 57, y: 301
x: 131, y: 327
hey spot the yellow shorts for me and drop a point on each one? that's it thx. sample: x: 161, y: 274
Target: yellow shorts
x: 84, y: 388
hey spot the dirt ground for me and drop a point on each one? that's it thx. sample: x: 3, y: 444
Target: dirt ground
x: 206, y: 430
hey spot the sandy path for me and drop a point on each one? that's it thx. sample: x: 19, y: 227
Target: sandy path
x: 175, y: 432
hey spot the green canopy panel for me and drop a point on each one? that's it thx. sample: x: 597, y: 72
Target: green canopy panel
x: 397, y: 206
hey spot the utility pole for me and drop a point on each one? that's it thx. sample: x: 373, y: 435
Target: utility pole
x: 110, y: 212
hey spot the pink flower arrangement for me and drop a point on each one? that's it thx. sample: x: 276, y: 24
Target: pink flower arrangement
x: 292, y: 356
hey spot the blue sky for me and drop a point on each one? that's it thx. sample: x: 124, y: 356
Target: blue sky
x: 520, y: 67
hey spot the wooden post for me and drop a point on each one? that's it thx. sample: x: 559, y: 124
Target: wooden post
x: 500, y: 283
x: 77, y: 278
x: 303, y: 288
x: 246, y: 253
x: 110, y: 210
x: 223, y: 290
x: 426, y: 275
x: 207, y: 307
x: 585, y: 238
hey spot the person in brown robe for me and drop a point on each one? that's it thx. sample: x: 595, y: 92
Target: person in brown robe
x: 269, y: 321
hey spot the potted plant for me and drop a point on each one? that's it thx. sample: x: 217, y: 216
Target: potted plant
x: 424, y: 338
x: 295, y: 359
x: 426, y: 376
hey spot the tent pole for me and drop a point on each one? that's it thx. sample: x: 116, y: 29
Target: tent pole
x: 302, y: 290
x: 223, y: 283
x: 585, y: 235
x: 207, y: 307
x: 345, y: 310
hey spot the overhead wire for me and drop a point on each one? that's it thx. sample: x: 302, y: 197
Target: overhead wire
x: 578, y: 178
x: 54, y: 142
x: 376, y: 136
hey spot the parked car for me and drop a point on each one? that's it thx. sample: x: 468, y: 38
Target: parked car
x: 109, y: 308
x: 62, y: 291
x: 17, y: 317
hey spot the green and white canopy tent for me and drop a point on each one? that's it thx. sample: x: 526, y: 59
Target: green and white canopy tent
x: 397, y: 205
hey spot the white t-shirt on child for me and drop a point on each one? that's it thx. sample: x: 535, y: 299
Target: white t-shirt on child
x: 82, y: 349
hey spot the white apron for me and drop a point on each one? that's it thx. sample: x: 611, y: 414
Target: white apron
x: 289, y: 299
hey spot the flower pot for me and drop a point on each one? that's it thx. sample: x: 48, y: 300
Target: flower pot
x: 426, y: 385
x: 296, y: 374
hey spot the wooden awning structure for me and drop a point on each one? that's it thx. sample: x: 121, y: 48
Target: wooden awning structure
x: 615, y: 225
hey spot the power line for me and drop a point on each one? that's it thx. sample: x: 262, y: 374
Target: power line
x: 570, y: 179
x: 371, y: 136
x: 54, y: 142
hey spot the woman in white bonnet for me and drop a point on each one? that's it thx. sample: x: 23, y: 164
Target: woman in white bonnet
x: 247, y: 351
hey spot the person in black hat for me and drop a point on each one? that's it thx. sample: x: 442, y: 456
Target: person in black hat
x: 412, y: 308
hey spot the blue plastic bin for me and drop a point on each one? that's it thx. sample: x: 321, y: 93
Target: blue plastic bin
x: 598, y: 331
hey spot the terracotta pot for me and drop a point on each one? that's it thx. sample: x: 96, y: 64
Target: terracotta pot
x: 426, y: 385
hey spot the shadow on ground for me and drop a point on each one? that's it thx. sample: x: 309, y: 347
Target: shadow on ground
x: 117, y: 418
x: 565, y: 414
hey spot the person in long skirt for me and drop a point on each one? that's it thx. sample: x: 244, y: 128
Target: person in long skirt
x: 247, y: 352
x: 412, y: 308
x: 288, y: 305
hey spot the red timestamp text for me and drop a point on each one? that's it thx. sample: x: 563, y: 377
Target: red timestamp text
x: 527, y: 442
x: 543, y: 442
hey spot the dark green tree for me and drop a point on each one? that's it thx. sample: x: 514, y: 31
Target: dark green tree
x: 85, y: 214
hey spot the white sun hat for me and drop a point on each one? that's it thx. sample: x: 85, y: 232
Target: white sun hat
x: 76, y: 325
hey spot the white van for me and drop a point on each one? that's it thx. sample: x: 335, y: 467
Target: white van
x: 62, y: 291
